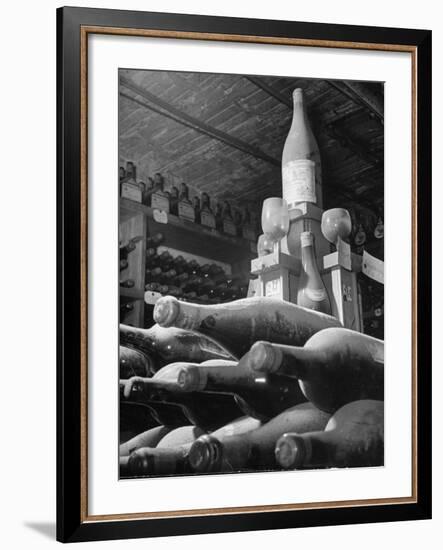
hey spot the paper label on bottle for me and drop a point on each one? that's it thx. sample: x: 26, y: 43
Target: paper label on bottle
x: 160, y: 216
x: 229, y: 228
x: 186, y: 211
x: 316, y: 294
x: 299, y: 182
x: 273, y: 288
x: 160, y: 202
x: 373, y: 267
x: 131, y: 192
x: 207, y: 219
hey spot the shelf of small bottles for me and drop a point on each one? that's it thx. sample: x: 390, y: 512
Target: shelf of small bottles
x: 193, y: 237
x: 193, y: 282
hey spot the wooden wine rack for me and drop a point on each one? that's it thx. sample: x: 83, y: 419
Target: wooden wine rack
x: 188, y: 237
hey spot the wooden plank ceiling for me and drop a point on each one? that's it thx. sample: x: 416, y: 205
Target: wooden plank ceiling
x: 224, y: 134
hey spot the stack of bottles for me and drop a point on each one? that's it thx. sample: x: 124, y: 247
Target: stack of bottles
x: 198, y: 208
x: 255, y: 384
x: 190, y: 280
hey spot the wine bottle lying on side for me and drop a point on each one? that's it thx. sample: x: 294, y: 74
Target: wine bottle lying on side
x: 237, y: 325
x: 255, y: 448
x: 207, y: 410
x: 133, y: 362
x: 149, y: 438
x: 173, y: 459
x: 334, y: 367
x: 354, y: 436
x: 168, y: 345
x: 261, y: 396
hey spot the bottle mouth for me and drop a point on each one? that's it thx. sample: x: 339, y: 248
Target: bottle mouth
x: 263, y: 357
x: 191, y: 379
x: 205, y: 454
x: 140, y: 463
x: 290, y: 451
x: 297, y: 94
x: 166, y: 311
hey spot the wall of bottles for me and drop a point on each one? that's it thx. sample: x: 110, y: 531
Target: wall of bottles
x: 187, y: 203
x: 189, y: 280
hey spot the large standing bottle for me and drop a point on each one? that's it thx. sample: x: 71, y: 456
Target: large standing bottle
x: 260, y: 396
x: 238, y: 324
x: 133, y: 363
x: 253, y: 449
x: 354, y: 436
x: 311, y: 292
x: 335, y: 366
x: 301, y: 165
x: 169, y: 345
x: 166, y: 459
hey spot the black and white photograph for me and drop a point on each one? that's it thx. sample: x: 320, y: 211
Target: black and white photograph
x: 251, y: 265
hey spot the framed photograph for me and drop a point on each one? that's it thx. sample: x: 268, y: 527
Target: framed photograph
x: 244, y: 218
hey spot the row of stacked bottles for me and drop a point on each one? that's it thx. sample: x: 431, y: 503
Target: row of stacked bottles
x: 189, y: 280
x: 200, y: 209
x: 255, y: 384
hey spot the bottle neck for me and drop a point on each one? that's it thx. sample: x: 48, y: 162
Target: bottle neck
x: 301, y: 451
x: 144, y: 338
x: 308, y: 255
x: 298, y: 112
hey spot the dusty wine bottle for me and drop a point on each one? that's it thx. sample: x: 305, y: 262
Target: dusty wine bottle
x: 209, y: 411
x: 334, y: 367
x: 353, y: 437
x: 167, y: 458
x: 237, y: 325
x: 149, y: 438
x: 311, y: 292
x: 259, y: 396
x: 134, y: 363
x: 255, y: 448
x: 301, y: 165
x: 169, y: 345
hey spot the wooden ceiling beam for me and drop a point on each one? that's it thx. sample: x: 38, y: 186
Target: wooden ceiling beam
x: 158, y: 105
x: 362, y: 95
x: 270, y: 90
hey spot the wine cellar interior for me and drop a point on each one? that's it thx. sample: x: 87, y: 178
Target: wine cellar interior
x: 206, y: 221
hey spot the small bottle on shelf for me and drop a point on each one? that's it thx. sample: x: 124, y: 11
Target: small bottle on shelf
x: 149, y: 189
x: 185, y: 208
x: 219, y: 217
x: 207, y: 217
x: 311, y: 291
x: 196, y: 205
x: 160, y: 199
x: 228, y: 222
x: 174, y: 198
